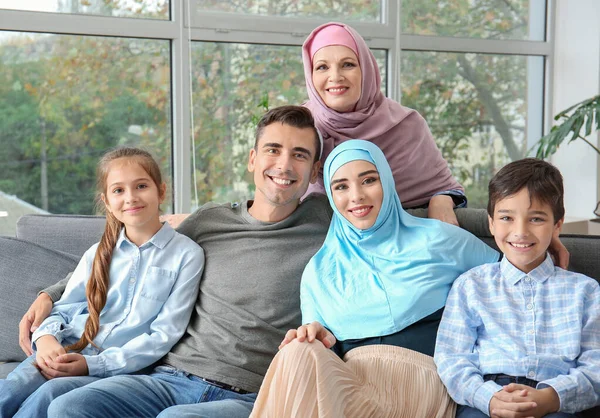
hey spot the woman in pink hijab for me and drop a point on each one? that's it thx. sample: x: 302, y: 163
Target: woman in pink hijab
x: 344, y: 90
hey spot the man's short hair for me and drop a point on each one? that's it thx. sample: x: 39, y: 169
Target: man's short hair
x: 296, y: 116
x: 542, y: 180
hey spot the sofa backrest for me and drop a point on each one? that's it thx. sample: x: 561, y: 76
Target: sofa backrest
x: 74, y: 234
x: 68, y: 234
x: 25, y: 269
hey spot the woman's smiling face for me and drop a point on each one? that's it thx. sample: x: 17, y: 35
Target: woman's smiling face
x: 357, y: 193
x: 337, y: 77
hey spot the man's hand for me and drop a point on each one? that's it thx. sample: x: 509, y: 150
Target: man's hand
x: 48, y: 348
x: 442, y: 207
x: 37, y: 312
x: 70, y: 364
x: 310, y: 332
x: 560, y: 254
x: 175, y: 219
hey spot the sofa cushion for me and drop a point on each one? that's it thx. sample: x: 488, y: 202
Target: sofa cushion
x: 71, y: 234
x: 585, y: 254
x: 25, y: 269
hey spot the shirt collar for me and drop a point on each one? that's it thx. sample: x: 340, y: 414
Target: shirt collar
x: 160, y: 239
x: 539, y: 274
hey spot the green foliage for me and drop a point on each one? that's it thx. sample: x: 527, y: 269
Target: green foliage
x: 475, y: 104
x: 64, y: 100
x: 584, y: 115
x: 496, y: 19
x: 474, y: 107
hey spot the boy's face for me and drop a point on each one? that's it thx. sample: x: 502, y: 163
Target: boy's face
x: 523, y: 229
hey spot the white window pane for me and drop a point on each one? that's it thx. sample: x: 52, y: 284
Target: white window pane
x: 150, y: 9
x: 65, y: 100
x: 488, y: 19
x: 480, y: 108
x: 347, y: 10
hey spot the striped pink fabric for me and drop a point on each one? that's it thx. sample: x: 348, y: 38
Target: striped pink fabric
x: 306, y: 380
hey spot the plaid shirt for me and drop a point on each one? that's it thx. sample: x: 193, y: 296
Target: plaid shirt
x: 544, y: 325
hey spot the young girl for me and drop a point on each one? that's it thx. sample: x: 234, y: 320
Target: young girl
x: 375, y: 291
x: 128, y: 302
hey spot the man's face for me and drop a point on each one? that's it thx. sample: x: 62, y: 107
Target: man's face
x: 523, y: 229
x: 283, y: 165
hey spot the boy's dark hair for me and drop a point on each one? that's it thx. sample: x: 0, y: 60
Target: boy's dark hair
x: 542, y: 180
x: 296, y: 116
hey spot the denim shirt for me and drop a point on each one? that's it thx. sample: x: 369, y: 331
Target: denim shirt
x: 152, y: 291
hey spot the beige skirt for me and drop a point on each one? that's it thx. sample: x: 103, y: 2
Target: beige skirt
x: 309, y: 380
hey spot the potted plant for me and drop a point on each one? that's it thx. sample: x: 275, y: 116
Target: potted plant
x: 583, y: 115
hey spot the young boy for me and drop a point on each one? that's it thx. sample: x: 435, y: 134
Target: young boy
x: 521, y: 337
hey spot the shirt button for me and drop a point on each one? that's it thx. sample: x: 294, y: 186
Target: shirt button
x: 529, y: 306
x: 531, y: 331
x: 531, y: 373
x: 527, y: 279
x: 132, y: 280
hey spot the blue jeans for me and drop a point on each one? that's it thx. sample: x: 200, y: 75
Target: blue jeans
x: 165, y: 393
x: 26, y: 393
x: 464, y: 411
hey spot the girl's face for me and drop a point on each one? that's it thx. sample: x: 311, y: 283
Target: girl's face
x: 357, y: 193
x: 132, y: 196
x: 337, y: 77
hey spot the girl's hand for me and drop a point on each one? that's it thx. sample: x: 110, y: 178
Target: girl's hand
x: 48, y: 348
x: 70, y: 364
x: 310, y: 332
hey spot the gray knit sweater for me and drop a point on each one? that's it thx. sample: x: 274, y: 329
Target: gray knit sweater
x: 250, y: 289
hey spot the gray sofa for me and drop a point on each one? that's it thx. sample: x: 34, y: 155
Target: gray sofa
x: 48, y: 247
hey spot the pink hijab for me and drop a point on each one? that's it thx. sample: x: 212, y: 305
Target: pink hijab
x: 418, y: 167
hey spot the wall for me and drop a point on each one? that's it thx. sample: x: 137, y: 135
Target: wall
x: 577, y: 77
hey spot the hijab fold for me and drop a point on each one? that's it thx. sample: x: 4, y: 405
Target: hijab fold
x: 375, y: 282
x: 402, y: 134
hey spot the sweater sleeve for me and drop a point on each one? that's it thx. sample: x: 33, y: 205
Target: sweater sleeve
x: 56, y: 290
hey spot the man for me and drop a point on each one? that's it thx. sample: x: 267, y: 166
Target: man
x: 249, y: 293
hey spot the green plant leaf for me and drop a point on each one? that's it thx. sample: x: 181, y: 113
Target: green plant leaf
x: 573, y: 119
x: 588, y: 124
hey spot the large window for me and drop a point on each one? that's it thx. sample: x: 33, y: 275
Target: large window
x: 189, y: 79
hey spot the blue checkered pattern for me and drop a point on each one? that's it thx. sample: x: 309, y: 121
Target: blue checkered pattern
x: 544, y: 326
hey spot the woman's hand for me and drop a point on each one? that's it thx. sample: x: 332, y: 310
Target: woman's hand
x: 310, y: 332
x: 442, y: 207
x: 560, y: 254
